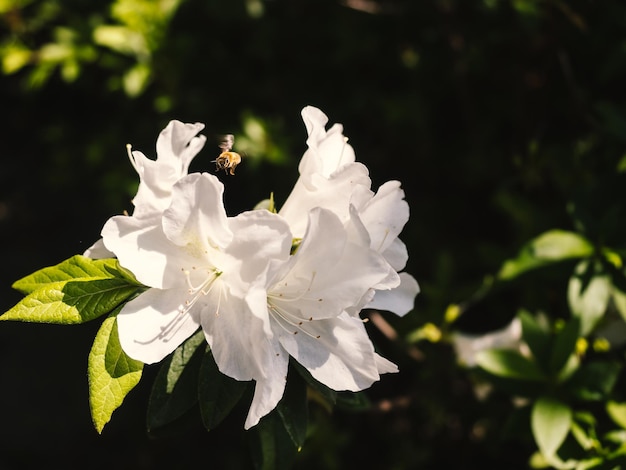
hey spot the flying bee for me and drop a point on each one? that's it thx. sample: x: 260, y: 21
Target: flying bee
x: 227, y: 160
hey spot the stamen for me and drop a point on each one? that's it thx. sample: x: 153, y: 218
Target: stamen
x: 282, y: 297
x: 290, y: 319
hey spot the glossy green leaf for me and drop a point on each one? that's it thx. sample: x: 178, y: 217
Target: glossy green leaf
x: 293, y: 409
x: 217, y: 393
x: 588, y: 294
x: 175, y: 387
x: 112, y: 374
x: 271, y: 446
x: 549, y: 247
x: 510, y: 364
x: 71, y: 302
x: 551, y: 420
x: 76, y: 268
x: 75, y: 291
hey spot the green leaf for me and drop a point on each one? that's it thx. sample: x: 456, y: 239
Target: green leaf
x: 175, y: 388
x: 564, y: 345
x: 588, y: 294
x: 74, y: 269
x: 71, y: 302
x: 353, y: 401
x: 617, y: 412
x: 217, y: 393
x: 510, y: 364
x: 271, y: 445
x: 112, y: 374
x: 549, y: 247
x: 293, y: 409
x: 594, y: 380
x: 75, y: 291
x: 551, y: 420
x: 536, y: 336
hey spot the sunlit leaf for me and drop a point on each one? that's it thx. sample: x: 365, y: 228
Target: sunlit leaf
x: 551, y: 420
x: 510, y: 364
x: 549, y: 247
x: 588, y: 294
x: 112, y: 374
x: 617, y: 412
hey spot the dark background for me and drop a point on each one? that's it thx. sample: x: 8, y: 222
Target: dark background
x: 500, y: 118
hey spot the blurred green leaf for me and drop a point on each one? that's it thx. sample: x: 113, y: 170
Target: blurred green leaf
x: 271, y: 445
x: 564, y: 345
x: 510, y: 364
x: 617, y: 412
x: 550, y: 247
x: 551, y: 420
x: 536, y: 335
x: 588, y: 294
x: 112, y: 374
x: 594, y: 380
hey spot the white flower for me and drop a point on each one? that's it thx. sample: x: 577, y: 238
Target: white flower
x: 330, y: 178
x: 176, y: 147
x: 468, y: 346
x: 256, y: 303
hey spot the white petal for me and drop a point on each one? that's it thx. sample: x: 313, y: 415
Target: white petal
x: 151, y: 326
x: 268, y: 391
x: 396, y: 254
x: 260, y: 236
x: 399, y: 300
x: 140, y: 246
x: 328, y: 273
x: 176, y: 147
x: 328, y: 151
x: 196, y: 217
x: 178, y: 144
x: 337, y: 352
x: 385, y: 366
x: 240, y: 335
x: 98, y: 251
x: 333, y: 194
x: 385, y: 215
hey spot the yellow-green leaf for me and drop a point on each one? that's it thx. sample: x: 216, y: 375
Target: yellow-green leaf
x: 112, y: 374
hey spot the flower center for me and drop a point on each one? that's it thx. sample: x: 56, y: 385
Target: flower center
x: 291, y: 320
x: 196, y: 292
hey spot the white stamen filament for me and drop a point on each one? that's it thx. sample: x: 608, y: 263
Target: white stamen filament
x: 290, y: 319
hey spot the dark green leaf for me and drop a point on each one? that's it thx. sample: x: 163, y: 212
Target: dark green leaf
x: 293, y: 409
x: 564, y: 345
x: 174, y: 390
x: 594, y: 380
x: 536, y: 336
x: 271, y: 446
x: 217, y: 393
x: 353, y: 401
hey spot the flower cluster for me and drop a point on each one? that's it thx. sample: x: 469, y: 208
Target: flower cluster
x: 262, y: 285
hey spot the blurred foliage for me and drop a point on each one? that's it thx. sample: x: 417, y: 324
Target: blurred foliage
x: 505, y: 120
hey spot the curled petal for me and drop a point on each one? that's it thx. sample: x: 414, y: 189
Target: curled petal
x: 151, y: 326
x: 268, y: 391
x: 98, y: 251
x: 399, y: 300
x: 177, y: 144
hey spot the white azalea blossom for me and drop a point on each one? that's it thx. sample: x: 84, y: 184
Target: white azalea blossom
x: 331, y: 178
x: 176, y: 146
x: 256, y: 303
